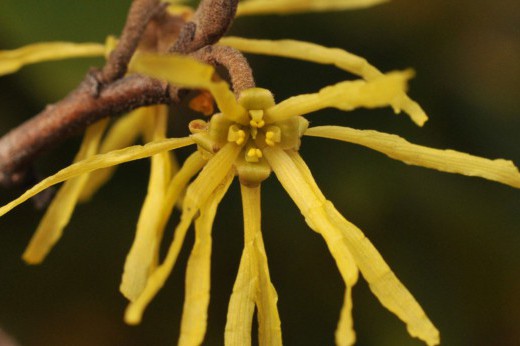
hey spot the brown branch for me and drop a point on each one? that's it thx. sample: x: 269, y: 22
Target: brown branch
x: 57, y: 122
x: 210, y: 22
x: 102, y: 93
x: 235, y: 63
x: 140, y: 13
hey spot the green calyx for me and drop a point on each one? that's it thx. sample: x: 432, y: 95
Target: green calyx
x: 251, y: 166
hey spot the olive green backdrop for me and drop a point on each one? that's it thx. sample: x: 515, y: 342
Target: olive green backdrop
x: 454, y: 241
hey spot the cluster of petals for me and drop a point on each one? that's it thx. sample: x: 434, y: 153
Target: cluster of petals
x: 249, y: 138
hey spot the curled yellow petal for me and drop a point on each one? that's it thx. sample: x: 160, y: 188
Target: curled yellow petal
x: 242, y: 303
x: 325, y: 219
x: 186, y: 72
x: 99, y: 161
x: 12, y: 60
x: 269, y: 329
x: 383, y: 282
x: 157, y: 278
x: 174, y: 192
x: 191, y: 166
x: 345, y: 334
x: 314, y: 199
x: 140, y: 259
x: 450, y: 161
x: 213, y: 174
x: 62, y: 206
x: 346, y: 95
x: 123, y: 133
x: 254, y: 7
x: 195, y: 310
x: 324, y: 55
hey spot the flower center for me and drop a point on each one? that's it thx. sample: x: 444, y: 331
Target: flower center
x: 251, y: 165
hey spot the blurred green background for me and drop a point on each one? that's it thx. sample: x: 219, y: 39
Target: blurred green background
x: 454, y: 241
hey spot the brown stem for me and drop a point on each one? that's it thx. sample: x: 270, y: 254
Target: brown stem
x: 210, y: 22
x: 138, y: 17
x: 22, y: 145
x: 235, y: 63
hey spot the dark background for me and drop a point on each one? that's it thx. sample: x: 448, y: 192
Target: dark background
x: 454, y: 241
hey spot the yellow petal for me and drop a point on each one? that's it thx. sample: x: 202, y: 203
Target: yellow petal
x: 252, y: 7
x: 195, y: 310
x: 123, y: 133
x: 269, y: 330
x: 211, y: 176
x: 137, y: 274
x: 12, y: 60
x: 186, y: 72
x: 60, y: 210
x: 99, y: 161
x: 216, y: 171
x: 450, y: 161
x: 329, y: 56
x: 142, y: 254
x: 345, y: 335
x: 241, y: 304
x: 289, y: 163
x: 269, y: 326
x: 383, y: 282
x: 178, y: 183
x: 346, y: 96
x: 325, y: 219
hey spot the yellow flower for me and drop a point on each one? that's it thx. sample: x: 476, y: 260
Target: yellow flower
x: 251, y: 137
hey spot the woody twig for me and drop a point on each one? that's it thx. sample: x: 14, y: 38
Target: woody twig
x: 110, y: 92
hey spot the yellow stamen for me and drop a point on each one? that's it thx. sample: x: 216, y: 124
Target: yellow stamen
x: 236, y: 134
x: 253, y: 155
x: 273, y: 136
x: 257, y: 120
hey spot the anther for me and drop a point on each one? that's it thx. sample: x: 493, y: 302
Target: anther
x: 256, y: 118
x: 236, y: 134
x: 273, y: 135
x: 253, y: 155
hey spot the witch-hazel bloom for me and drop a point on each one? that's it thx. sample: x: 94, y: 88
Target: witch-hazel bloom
x: 251, y: 137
